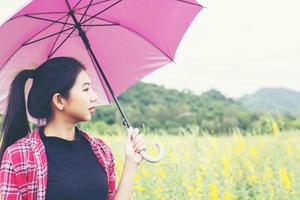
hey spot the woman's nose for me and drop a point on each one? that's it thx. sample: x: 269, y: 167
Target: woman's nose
x: 94, y: 96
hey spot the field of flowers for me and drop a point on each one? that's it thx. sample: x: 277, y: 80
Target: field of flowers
x: 224, y: 167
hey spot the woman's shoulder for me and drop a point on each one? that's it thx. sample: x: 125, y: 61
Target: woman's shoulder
x: 101, y: 142
x: 22, y: 146
x: 17, y: 152
x: 103, y: 145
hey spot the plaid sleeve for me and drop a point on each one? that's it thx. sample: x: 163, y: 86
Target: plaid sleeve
x: 8, y: 182
x: 110, y: 163
x: 112, y: 178
x: 109, y: 160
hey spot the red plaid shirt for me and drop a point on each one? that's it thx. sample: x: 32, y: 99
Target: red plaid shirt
x: 23, y: 172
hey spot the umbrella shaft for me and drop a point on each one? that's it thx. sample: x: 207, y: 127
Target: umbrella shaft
x: 88, y: 46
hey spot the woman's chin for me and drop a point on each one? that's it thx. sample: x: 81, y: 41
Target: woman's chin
x: 88, y: 117
x: 85, y: 118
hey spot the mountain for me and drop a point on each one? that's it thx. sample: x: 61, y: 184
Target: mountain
x: 273, y: 100
x: 158, y: 107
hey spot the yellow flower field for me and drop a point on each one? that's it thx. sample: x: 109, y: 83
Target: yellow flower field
x: 227, y: 167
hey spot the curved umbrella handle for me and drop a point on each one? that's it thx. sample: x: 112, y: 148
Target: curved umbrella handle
x: 148, y: 158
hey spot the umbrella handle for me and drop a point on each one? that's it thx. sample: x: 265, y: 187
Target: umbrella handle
x: 150, y: 159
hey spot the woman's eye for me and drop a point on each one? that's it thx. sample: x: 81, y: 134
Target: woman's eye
x: 86, y: 89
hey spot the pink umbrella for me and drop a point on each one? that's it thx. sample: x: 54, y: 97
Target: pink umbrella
x: 119, y: 41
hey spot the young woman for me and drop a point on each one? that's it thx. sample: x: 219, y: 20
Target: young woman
x: 59, y: 160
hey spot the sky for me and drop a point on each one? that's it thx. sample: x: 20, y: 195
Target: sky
x: 234, y: 46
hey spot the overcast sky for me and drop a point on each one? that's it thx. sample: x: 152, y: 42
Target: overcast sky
x: 234, y: 46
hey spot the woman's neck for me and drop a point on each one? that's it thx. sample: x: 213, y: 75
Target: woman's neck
x: 60, y: 129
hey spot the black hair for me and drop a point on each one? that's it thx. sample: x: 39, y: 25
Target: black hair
x: 56, y: 75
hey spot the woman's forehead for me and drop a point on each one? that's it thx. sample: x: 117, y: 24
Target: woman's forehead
x: 83, y: 78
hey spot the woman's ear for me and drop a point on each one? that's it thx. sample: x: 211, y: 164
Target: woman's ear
x: 58, y: 101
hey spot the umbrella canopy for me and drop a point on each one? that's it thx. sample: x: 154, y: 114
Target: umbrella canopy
x: 118, y: 41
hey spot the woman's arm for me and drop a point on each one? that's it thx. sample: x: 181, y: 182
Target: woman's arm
x: 134, y: 144
x: 125, y: 186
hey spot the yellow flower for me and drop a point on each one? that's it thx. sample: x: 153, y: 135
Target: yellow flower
x: 136, y: 178
x: 214, y: 192
x: 226, y: 196
x: 226, y: 165
x: 199, y: 180
x: 288, y: 148
x: 160, y: 172
x: 139, y: 188
x: 253, y: 152
x: 275, y: 128
x: 240, y: 144
x: 252, y: 179
x: 146, y: 172
x: 190, y: 191
x: 285, y: 179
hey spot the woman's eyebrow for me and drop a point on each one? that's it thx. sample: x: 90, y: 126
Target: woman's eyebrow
x: 87, y: 83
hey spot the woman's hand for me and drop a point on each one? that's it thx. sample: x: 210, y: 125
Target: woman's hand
x: 134, y: 144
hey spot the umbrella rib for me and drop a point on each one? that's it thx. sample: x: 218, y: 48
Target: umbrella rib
x: 74, y: 28
x: 76, y: 4
x: 91, y: 1
x: 140, y: 35
x: 48, y: 36
x: 49, y: 20
x: 195, y: 4
x: 95, y: 25
x: 89, y: 28
x: 45, y: 28
x: 96, y: 3
x: 42, y: 13
x: 93, y: 16
x: 99, y: 19
x: 56, y: 39
x: 85, y: 25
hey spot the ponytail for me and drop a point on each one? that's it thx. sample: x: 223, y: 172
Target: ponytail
x: 15, y: 124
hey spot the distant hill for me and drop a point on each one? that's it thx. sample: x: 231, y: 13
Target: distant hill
x: 158, y: 107
x: 273, y: 100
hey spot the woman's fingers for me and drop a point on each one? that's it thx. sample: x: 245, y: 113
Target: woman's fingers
x: 139, y: 147
x: 133, y: 131
x: 137, y: 140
